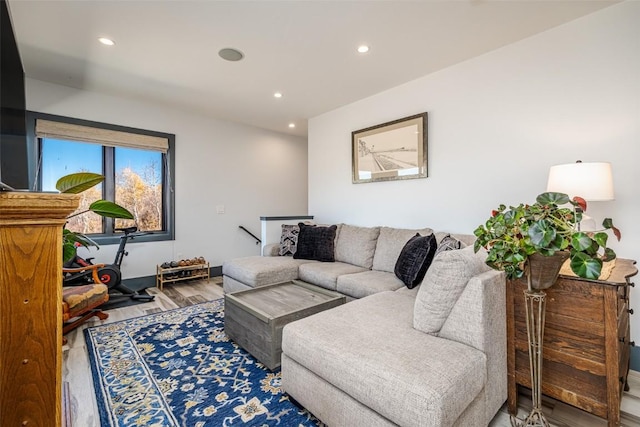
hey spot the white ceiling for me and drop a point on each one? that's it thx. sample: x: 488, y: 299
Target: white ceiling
x: 166, y: 51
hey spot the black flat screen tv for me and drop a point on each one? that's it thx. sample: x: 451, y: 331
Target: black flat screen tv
x: 14, y: 161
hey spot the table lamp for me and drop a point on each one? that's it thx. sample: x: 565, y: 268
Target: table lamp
x: 591, y: 181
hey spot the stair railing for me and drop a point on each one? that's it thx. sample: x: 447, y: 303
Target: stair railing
x: 258, y: 241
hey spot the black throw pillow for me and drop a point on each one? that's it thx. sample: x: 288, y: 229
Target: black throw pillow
x: 415, y: 258
x: 316, y: 243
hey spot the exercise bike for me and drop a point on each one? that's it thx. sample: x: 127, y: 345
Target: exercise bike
x: 109, y: 275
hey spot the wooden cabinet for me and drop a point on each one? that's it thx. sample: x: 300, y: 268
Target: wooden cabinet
x: 586, y: 342
x: 30, y: 307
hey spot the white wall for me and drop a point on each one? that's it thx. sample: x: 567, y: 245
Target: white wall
x: 496, y: 125
x: 252, y: 172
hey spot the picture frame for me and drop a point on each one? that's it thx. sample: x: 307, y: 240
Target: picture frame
x: 390, y: 151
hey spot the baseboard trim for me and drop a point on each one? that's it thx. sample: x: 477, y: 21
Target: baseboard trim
x: 140, y: 283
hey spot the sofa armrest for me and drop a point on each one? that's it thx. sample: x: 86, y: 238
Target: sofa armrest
x: 479, y: 320
x: 271, y: 249
x: 478, y: 312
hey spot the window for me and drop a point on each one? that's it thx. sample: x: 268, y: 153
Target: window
x: 137, y: 166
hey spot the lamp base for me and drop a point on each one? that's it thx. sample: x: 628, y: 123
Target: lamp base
x: 587, y: 223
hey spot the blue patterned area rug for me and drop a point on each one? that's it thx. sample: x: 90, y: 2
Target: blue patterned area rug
x: 178, y: 368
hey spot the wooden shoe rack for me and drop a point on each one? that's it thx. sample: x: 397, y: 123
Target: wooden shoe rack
x: 181, y: 273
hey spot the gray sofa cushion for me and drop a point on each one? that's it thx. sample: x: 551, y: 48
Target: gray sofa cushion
x: 360, y: 285
x: 390, y: 243
x: 368, y: 349
x: 259, y: 271
x: 326, y: 274
x: 356, y: 245
x: 443, y: 284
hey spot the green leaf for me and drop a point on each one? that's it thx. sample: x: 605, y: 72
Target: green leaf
x: 70, y: 241
x: 561, y: 243
x: 68, y: 251
x: 76, y: 183
x: 513, y: 272
x: 77, y: 238
x: 514, y: 258
x: 601, y: 239
x: 542, y: 233
x: 86, y: 241
x: 551, y: 198
x: 510, y: 216
x: 581, y: 241
x: 585, y: 266
x: 109, y: 209
x: 609, y: 254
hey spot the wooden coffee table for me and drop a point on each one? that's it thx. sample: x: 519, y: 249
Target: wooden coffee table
x: 254, y: 318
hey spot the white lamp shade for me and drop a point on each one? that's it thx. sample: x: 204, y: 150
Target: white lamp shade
x: 591, y: 181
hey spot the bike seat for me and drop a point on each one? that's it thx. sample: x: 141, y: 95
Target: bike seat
x: 128, y: 230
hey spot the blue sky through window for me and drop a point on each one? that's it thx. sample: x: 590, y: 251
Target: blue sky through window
x: 61, y: 158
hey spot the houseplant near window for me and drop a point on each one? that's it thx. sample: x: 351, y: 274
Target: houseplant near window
x: 534, y: 241
x: 76, y: 183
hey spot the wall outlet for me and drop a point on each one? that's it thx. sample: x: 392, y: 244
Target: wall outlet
x: 220, y: 209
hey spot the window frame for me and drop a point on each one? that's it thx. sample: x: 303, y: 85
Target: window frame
x: 109, y: 236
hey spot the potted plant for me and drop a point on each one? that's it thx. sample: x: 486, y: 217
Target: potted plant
x: 534, y: 241
x: 76, y: 183
x: 519, y: 237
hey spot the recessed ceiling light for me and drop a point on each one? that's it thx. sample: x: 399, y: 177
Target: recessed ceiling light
x: 277, y: 95
x: 292, y: 125
x: 231, y: 54
x: 106, y: 41
x: 363, y: 48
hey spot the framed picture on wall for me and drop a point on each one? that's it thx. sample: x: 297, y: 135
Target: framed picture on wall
x: 390, y: 151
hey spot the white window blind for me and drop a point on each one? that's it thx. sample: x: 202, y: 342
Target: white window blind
x: 109, y: 138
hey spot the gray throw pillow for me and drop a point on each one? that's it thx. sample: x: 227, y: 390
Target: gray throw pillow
x: 449, y: 243
x: 443, y: 284
x: 289, y: 239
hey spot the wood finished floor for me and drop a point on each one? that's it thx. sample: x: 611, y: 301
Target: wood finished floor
x: 84, y: 411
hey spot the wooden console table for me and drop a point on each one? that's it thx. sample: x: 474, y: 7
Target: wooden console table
x: 586, y: 342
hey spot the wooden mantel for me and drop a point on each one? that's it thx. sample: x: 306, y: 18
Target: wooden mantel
x: 30, y: 306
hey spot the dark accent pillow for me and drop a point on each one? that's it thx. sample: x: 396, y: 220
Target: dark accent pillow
x: 316, y: 243
x: 415, y: 258
x: 449, y: 243
x: 289, y: 239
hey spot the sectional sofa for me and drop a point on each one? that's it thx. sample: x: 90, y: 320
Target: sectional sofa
x: 434, y: 355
